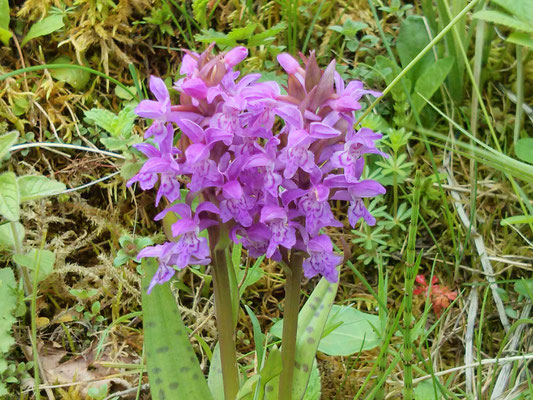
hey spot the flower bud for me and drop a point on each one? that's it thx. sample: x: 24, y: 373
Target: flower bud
x: 289, y: 63
x: 235, y: 56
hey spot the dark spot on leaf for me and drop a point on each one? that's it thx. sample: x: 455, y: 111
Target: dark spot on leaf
x: 269, y: 388
x: 312, y: 307
x: 305, y: 367
x: 159, y: 381
x: 173, y: 386
x: 162, y: 395
x: 193, y: 359
x: 316, y: 299
x: 150, y: 324
x: 156, y: 370
x: 321, y: 307
x: 317, y: 314
x: 163, y: 349
x: 184, y: 369
x: 296, y: 365
x: 310, y: 340
x: 330, y: 289
x: 195, y: 376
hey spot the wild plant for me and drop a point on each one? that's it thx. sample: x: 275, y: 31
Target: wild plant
x: 260, y: 168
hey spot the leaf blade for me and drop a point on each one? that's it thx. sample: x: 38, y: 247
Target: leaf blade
x: 166, y: 341
x: 33, y: 187
x: 6, y: 141
x: 44, y: 27
x: 9, y: 197
x: 37, y: 258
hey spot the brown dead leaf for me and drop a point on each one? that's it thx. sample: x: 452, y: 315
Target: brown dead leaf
x: 78, y: 370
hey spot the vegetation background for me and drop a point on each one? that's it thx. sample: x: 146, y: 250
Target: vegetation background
x: 459, y: 120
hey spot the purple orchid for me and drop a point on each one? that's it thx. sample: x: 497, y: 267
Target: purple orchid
x: 347, y: 99
x: 351, y: 157
x: 265, y: 163
x: 167, y: 254
x: 282, y: 230
x: 316, y: 209
x: 160, y: 161
x: 158, y: 110
x: 322, y: 260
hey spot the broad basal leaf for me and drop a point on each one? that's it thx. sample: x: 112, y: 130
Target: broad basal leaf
x: 173, y: 369
x: 44, y: 27
x: 311, y: 322
x: 214, y: 377
x: 32, y: 187
x: 426, y: 390
x: 9, y: 196
x: 354, y: 332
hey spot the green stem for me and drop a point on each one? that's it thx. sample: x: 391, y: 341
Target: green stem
x: 36, y: 377
x: 395, y: 188
x: 23, y: 272
x: 519, y: 93
x: 290, y: 325
x: 224, y: 316
x: 409, y: 276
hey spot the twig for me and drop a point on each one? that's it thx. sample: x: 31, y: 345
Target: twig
x: 486, y: 361
x: 503, y: 377
x: 49, y: 120
x: 66, y: 146
x: 469, y: 339
x: 104, y: 178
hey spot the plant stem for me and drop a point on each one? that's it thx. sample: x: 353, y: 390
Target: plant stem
x: 224, y: 316
x: 519, y: 93
x: 395, y: 188
x: 409, y: 276
x: 290, y: 325
x: 36, y: 378
x: 23, y: 272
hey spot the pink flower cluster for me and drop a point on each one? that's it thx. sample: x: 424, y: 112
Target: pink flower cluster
x: 264, y: 164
